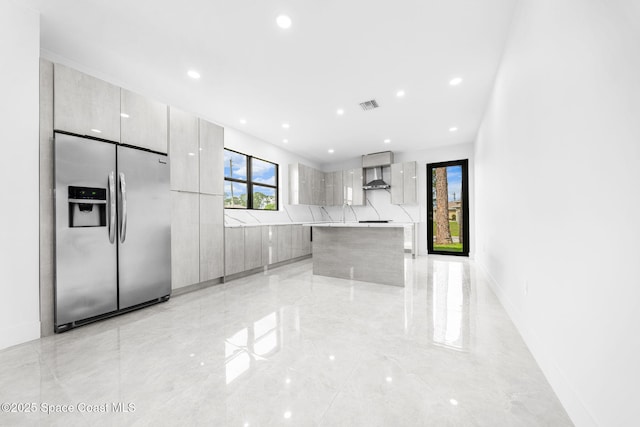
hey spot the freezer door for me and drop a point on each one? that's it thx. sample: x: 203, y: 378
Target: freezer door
x: 86, y: 258
x: 144, y: 231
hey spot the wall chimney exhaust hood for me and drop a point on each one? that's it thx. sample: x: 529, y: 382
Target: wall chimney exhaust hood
x: 375, y: 162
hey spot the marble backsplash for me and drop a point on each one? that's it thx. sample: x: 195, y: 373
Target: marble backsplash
x: 378, y: 207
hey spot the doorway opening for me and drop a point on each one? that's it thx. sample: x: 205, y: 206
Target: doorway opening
x: 448, y: 211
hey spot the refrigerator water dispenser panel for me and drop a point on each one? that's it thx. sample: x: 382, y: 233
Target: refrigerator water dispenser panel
x: 87, y: 207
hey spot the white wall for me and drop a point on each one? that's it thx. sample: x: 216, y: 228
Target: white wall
x: 379, y: 201
x: 19, y: 46
x: 247, y: 144
x: 557, y: 166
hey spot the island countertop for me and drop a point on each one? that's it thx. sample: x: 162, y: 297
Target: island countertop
x: 362, y: 224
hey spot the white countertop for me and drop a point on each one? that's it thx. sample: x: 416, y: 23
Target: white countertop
x: 362, y: 224
x: 328, y: 224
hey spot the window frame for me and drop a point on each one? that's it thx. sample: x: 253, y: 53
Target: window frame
x: 250, y: 183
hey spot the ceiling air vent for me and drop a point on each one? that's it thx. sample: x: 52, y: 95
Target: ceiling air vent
x: 369, y: 105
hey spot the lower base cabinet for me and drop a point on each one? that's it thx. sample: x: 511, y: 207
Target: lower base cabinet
x: 185, y: 237
x: 233, y: 250
x: 252, y: 247
x: 284, y: 242
x: 300, y: 241
x: 211, y: 237
x: 247, y: 248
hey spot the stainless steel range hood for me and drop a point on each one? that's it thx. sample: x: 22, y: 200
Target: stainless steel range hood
x: 375, y: 162
x: 377, y: 183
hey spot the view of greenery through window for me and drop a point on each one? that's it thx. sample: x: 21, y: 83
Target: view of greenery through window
x: 249, y: 182
x: 447, y: 208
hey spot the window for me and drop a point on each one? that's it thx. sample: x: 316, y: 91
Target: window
x: 249, y: 182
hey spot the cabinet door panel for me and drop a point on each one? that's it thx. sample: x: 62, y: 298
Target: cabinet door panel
x: 328, y: 189
x: 211, y: 158
x: 397, y: 184
x: 233, y: 250
x: 185, y: 257
x: 338, y: 189
x: 410, y: 193
x: 143, y: 122
x: 211, y: 237
x: 269, y: 244
x: 284, y: 242
x: 85, y: 105
x: 183, y: 151
x: 358, y: 192
x: 252, y: 247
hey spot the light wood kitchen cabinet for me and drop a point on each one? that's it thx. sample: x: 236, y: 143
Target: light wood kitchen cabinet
x: 404, y: 188
x: 284, y: 242
x: 269, y: 244
x: 328, y: 189
x: 185, y: 257
x: 211, y: 154
x: 233, y: 250
x: 352, y: 182
x: 143, y: 122
x: 211, y: 237
x: 183, y: 151
x: 252, y: 247
x: 306, y: 185
x: 318, y: 190
x: 85, y: 105
x: 300, y: 241
x: 338, y: 189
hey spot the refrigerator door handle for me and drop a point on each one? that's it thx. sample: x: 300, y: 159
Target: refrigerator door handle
x: 112, y: 208
x: 123, y: 194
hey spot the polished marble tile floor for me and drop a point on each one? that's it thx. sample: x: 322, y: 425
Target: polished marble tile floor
x: 286, y: 348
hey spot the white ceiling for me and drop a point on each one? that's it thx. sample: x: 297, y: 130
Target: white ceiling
x: 336, y: 54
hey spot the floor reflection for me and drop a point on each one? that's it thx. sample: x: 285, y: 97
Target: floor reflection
x: 251, y: 344
x: 448, y: 295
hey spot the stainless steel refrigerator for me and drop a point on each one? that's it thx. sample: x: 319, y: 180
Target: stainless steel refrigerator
x: 113, y: 225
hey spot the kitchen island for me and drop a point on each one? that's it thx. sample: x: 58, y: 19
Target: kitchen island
x: 370, y: 252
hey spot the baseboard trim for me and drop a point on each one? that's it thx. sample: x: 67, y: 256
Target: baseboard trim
x: 196, y: 287
x: 264, y: 268
x: 575, y: 407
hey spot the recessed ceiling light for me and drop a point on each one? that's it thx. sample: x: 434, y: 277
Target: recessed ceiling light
x: 243, y: 121
x: 400, y: 93
x: 340, y: 111
x: 96, y: 130
x: 454, y: 402
x: 285, y: 141
x: 287, y: 414
x: 193, y: 74
x: 453, y: 129
x: 332, y: 357
x: 331, y: 151
x: 124, y: 115
x: 387, y: 141
x: 286, y: 125
x: 283, y: 21
x: 192, y: 154
x: 389, y: 379
x: 456, y: 81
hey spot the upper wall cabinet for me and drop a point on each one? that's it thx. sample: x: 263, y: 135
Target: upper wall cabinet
x: 143, y: 122
x: 353, y: 192
x: 328, y: 189
x: 404, y: 188
x: 211, y: 158
x: 306, y: 185
x: 338, y: 188
x: 85, y: 105
x: 183, y: 151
